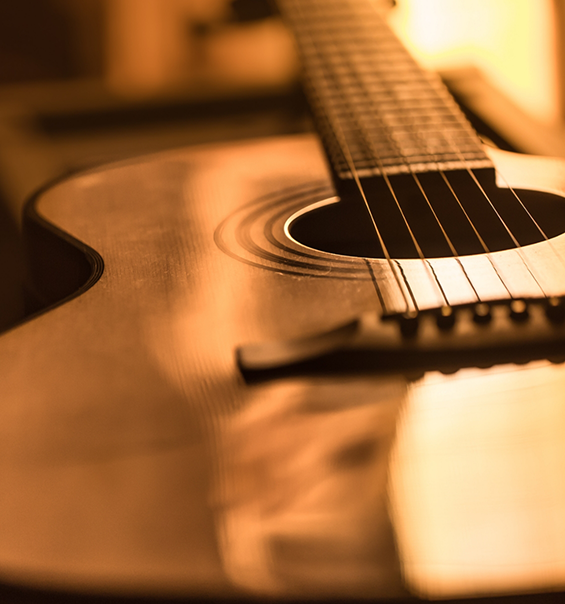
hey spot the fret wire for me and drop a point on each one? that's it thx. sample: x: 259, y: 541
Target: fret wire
x: 527, y: 265
x: 420, y: 134
x: 431, y: 100
x: 343, y: 144
x: 431, y: 119
x: 453, y: 250
x: 427, y: 265
x: 408, y: 135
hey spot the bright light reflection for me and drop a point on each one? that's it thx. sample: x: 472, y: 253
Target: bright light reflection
x: 477, y: 482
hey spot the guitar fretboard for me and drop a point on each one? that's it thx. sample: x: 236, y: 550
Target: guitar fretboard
x: 377, y: 109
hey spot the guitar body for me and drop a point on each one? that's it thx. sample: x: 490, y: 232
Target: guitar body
x: 135, y: 458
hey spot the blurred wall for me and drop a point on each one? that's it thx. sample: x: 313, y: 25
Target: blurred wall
x: 36, y: 41
x: 140, y: 46
x: 164, y: 44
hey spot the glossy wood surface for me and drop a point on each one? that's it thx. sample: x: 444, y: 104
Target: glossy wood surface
x: 135, y: 459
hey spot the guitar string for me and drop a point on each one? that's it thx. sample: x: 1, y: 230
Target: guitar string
x: 518, y: 247
x: 420, y: 188
x: 559, y: 257
x: 488, y: 252
x: 476, y: 232
x: 418, y: 134
x: 529, y: 267
x: 345, y: 149
x: 375, y: 155
x: 342, y: 142
x: 351, y: 163
x: 451, y: 246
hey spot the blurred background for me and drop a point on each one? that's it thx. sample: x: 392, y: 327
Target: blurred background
x: 84, y: 82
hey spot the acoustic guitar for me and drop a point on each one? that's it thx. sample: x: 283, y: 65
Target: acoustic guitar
x: 296, y: 367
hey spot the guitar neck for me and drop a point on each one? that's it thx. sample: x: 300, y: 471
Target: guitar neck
x: 377, y: 110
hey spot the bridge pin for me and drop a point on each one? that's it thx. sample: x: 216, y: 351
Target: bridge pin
x: 409, y: 323
x: 445, y: 317
x: 519, y: 310
x: 555, y: 309
x: 481, y: 313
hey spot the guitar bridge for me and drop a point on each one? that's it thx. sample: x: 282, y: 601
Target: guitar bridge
x: 445, y: 339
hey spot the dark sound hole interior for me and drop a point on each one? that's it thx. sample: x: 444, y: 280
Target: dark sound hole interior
x: 467, y: 211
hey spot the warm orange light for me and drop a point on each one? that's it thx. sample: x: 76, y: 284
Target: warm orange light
x: 511, y: 41
x: 477, y: 488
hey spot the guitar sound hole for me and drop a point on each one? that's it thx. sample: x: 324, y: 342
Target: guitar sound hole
x: 468, y: 212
